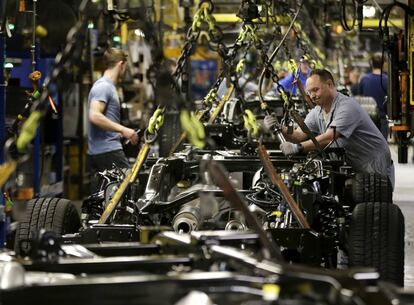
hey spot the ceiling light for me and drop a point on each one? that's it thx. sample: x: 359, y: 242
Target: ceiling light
x: 368, y: 11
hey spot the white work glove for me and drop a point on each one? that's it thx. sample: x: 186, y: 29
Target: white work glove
x: 270, y: 122
x: 289, y: 148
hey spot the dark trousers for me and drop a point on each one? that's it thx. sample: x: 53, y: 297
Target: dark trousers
x: 384, y: 128
x: 101, y: 162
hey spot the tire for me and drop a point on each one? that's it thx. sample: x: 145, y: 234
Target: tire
x: 371, y: 188
x: 376, y: 239
x: 53, y: 214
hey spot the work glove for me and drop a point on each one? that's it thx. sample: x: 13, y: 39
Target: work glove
x: 270, y: 122
x: 289, y: 148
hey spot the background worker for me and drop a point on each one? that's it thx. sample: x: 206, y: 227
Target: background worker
x: 375, y: 84
x: 339, y: 117
x: 289, y: 83
x: 104, y: 128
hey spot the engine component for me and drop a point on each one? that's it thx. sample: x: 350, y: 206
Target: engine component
x: 92, y: 208
x: 236, y: 222
x: 235, y: 225
x: 188, y: 218
x: 277, y: 181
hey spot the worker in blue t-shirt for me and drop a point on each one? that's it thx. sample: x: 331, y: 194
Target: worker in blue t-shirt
x: 104, y: 128
x: 375, y: 84
x: 289, y: 84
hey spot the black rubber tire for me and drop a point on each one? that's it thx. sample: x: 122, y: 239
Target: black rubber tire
x: 53, y: 214
x: 371, y: 188
x: 376, y: 239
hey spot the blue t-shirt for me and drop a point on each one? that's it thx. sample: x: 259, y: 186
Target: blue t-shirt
x: 287, y: 83
x: 99, y: 140
x: 370, y: 85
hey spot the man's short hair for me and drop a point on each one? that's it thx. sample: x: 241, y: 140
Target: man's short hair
x: 112, y: 56
x: 376, y: 61
x: 323, y: 74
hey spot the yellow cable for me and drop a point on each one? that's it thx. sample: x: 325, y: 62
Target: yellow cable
x: 6, y: 170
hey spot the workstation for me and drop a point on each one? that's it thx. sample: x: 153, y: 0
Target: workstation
x: 219, y: 151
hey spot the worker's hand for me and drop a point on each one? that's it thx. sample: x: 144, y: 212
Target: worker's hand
x: 270, y: 122
x: 130, y: 134
x: 289, y: 148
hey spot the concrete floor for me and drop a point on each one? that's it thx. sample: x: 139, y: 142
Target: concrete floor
x: 404, y: 198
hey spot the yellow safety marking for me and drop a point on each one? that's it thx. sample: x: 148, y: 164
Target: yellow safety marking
x: 220, y: 106
x: 28, y: 130
x: 6, y: 170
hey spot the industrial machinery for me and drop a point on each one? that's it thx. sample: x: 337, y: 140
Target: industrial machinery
x: 218, y: 223
x: 202, y: 267
x: 344, y: 212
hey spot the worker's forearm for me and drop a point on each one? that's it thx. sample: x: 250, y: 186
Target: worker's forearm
x: 104, y: 123
x: 295, y: 137
x: 323, y: 139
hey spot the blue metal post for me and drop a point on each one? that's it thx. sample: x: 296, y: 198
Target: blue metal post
x: 36, y: 140
x: 36, y: 164
x: 35, y: 50
x: 2, y: 132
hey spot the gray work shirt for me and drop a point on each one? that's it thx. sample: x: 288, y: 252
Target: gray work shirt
x: 365, y: 147
x: 99, y: 140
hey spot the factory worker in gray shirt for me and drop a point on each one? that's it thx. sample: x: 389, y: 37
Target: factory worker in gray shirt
x: 337, y: 115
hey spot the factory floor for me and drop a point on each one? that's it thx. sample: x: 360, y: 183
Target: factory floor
x: 404, y: 198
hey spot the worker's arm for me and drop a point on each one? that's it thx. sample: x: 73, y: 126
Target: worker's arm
x: 323, y: 139
x: 296, y: 137
x: 97, y: 117
x: 270, y: 123
x: 299, y: 135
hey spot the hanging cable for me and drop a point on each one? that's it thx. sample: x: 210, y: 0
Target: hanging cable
x: 383, y: 22
x: 268, y: 65
x: 344, y: 21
